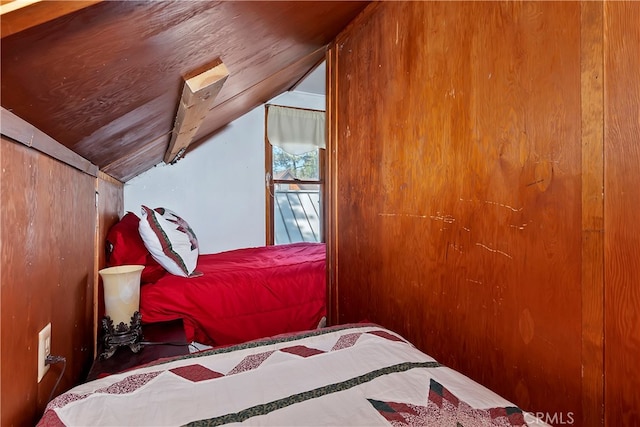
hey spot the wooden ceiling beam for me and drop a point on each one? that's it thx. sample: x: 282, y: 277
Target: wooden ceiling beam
x: 197, y: 98
x: 19, y: 15
x: 21, y: 131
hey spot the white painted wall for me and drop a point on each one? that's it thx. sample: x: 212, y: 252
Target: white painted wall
x: 218, y: 188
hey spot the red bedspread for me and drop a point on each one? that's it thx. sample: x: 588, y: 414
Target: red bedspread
x: 243, y: 294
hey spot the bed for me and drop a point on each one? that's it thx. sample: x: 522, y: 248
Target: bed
x: 223, y: 298
x: 243, y: 294
x: 347, y: 375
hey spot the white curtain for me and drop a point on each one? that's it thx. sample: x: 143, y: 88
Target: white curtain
x: 294, y: 130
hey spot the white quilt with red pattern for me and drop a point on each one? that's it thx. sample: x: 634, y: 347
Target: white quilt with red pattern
x: 351, y: 375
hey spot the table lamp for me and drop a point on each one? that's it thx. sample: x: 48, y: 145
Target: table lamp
x: 122, y: 321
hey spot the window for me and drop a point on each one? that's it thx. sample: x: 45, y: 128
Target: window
x: 294, y: 188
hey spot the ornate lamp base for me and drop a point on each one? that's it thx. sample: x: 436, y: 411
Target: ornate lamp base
x: 121, y: 335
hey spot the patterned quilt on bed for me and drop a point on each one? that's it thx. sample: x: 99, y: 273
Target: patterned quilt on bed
x: 350, y: 375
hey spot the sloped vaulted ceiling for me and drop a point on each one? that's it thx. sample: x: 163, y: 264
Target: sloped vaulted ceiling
x: 105, y: 79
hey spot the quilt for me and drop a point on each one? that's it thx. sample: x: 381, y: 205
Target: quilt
x: 349, y: 375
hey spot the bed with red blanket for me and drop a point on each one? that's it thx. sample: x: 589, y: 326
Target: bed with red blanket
x: 243, y: 294
x: 223, y: 298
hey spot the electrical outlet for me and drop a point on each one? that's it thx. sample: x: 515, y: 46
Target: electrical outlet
x: 44, y: 350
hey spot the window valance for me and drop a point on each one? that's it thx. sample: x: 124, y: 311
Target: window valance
x: 295, y: 130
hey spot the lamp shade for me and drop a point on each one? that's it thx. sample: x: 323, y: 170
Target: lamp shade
x: 121, y: 291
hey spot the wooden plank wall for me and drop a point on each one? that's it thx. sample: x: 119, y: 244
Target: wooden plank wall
x: 466, y: 176
x: 48, y: 230
x: 622, y: 205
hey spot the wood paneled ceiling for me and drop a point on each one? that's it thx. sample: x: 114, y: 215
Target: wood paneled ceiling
x: 105, y: 78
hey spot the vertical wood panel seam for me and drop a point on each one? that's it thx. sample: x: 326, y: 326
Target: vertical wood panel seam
x: 592, y: 134
x: 331, y: 217
x: 269, y: 187
x: 96, y: 265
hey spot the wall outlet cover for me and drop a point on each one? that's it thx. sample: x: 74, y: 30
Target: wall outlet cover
x: 44, y: 350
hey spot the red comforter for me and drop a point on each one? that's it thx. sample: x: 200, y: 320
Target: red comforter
x: 243, y: 294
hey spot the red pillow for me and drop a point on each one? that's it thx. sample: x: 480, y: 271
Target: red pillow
x: 125, y: 246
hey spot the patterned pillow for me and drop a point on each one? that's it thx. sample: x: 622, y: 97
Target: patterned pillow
x: 170, y: 240
x: 124, y: 246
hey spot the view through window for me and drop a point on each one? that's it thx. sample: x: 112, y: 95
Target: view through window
x: 294, y: 161
x: 295, y: 197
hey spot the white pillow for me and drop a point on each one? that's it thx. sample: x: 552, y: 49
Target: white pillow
x: 170, y: 240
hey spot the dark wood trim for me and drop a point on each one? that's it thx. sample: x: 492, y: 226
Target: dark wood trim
x: 331, y: 189
x: 19, y: 130
x: 268, y: 192
x: 322, y: 165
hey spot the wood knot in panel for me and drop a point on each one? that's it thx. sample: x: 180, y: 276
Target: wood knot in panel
x: 543, y: 175
x: 522, y: 395
x: 526, y: 326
